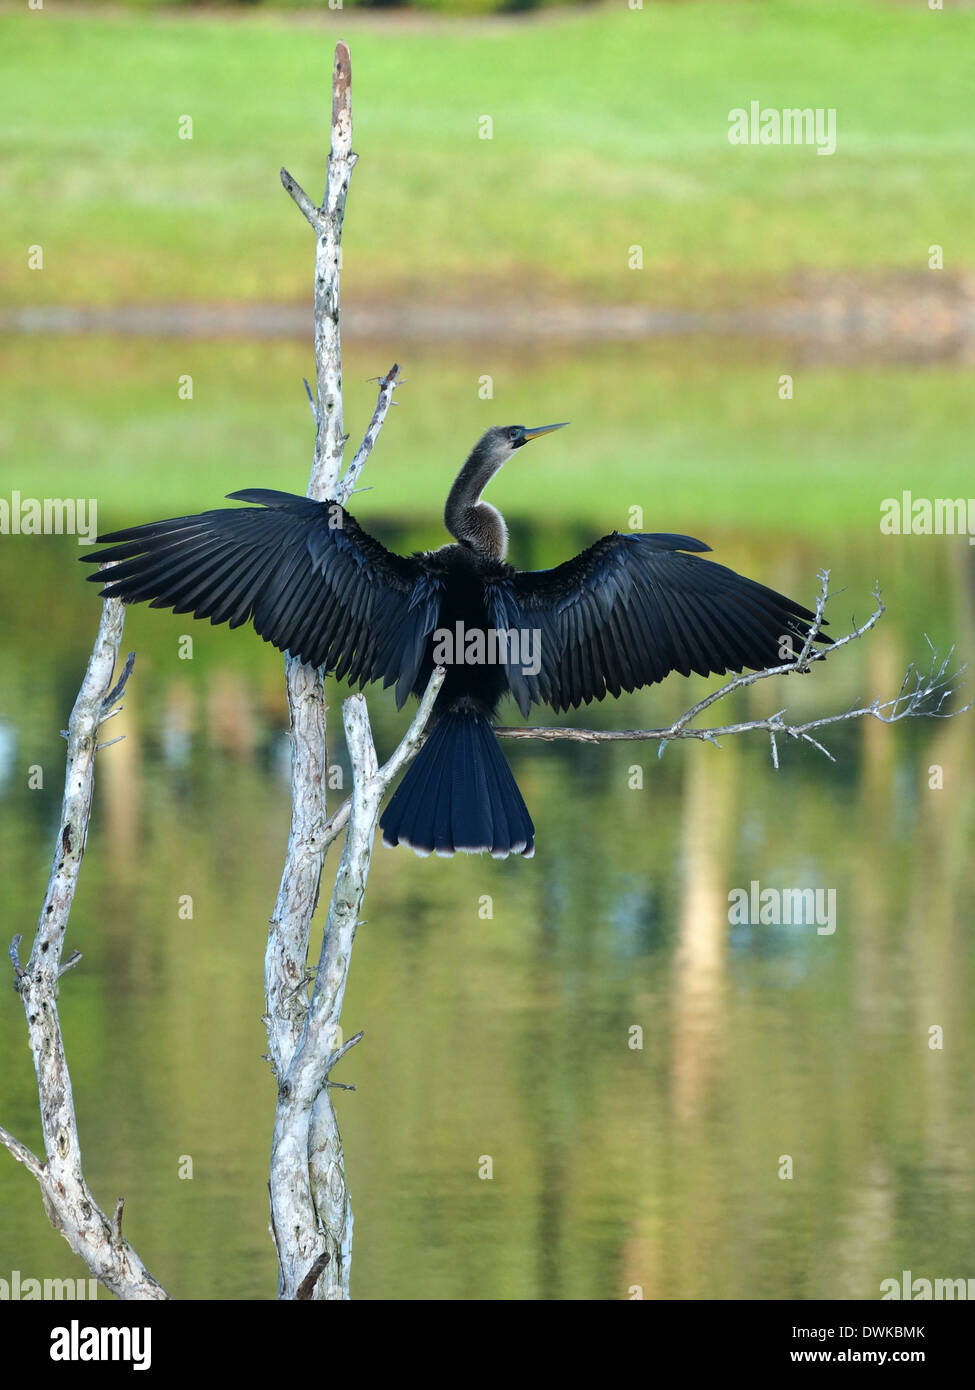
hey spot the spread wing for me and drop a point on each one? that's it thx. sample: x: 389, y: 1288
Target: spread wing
x: 631, y: 609
x: 311, y: 580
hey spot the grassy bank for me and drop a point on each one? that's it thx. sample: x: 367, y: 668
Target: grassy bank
x: 609, y: 130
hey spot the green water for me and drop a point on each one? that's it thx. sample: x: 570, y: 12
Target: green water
x: 510, y: 1036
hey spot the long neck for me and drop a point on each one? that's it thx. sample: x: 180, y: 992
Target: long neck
x: 467, y: 518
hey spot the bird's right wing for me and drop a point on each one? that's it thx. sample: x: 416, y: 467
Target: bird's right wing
x: 313, y: 582
x: 631, y: 609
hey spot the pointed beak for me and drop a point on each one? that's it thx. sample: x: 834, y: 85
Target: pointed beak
x: 543, y: 429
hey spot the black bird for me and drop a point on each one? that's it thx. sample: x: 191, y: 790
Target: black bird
x: 620, y: 615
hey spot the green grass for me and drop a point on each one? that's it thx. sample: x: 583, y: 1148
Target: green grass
x: 700, y: 440
x: 610, y: 129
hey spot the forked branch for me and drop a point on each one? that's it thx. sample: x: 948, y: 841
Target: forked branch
x: 72, y: 1209
x: 311, y: 1217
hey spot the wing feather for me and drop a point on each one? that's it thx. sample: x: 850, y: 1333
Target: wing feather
x: 304, y: 572
x: 631, y: 609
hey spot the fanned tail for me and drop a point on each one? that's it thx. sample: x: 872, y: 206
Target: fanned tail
x: 459, y: 794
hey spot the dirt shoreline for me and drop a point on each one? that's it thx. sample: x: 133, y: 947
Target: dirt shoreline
x: 889, y: 321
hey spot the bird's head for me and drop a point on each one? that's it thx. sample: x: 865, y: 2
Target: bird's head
x: 467, y: 518
x: 500, y: 443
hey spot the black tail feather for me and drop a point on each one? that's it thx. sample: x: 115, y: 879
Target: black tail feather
x: 459, y: 794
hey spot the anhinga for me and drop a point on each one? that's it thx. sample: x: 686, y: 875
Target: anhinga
x: 620, y: 615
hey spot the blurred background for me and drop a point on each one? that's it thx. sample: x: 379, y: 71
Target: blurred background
x: 607, y: 257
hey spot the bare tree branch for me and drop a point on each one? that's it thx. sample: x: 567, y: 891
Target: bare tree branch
x: 387, y: 385
x: 920, y: 696
x: 117, y: 1222
x: 67, y: 1198
x: 326, y: 222
x: 13, y: 951
x: 311, y: 210
x: 410, y: 745
x: 336, y: 1057
x: 118, y: 689
x: 310, y: 1210
x: 75, y: 957
x: 307, y: 1172
x: 294, y: 1224
x: 23, y: 1155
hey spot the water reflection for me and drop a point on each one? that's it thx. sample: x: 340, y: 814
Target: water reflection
x: 508, y: 1033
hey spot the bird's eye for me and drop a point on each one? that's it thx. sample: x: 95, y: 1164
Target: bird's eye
x: 514, y: 433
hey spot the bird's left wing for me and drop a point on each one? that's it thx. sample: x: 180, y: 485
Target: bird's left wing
x: 313, y: 582
x: 631, y: 609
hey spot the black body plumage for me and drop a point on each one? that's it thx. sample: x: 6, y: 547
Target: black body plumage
x: 620, y: 615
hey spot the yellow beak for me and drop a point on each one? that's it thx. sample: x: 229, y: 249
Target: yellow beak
x: 543, y: 429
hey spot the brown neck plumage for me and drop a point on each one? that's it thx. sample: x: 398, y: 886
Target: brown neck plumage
x: 467, y: 518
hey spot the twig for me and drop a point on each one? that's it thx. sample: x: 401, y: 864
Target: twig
x: 311, y: 400
x: 118, y: 689
x: 67, y: 1198
x: 387, y: 386
x: 336, y: 1057
x: 23, y: 1155
x: 919, y: 696
x: 312, y: 212
x: 74, y: 959
x: 412, y: 741
x: 117, y: 1222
